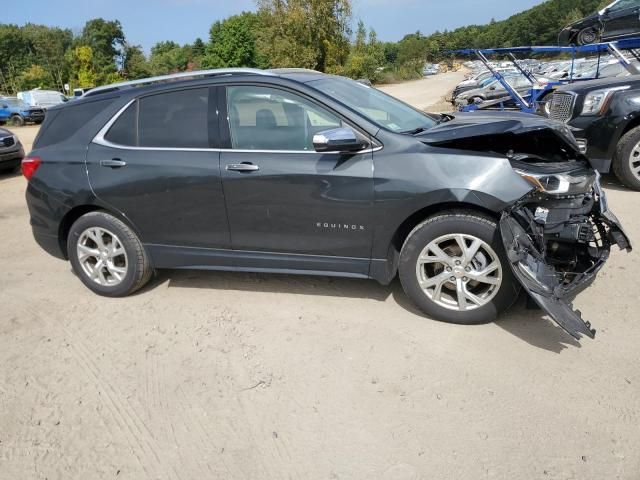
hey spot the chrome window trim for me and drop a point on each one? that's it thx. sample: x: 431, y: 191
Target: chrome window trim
x: 100, y: 139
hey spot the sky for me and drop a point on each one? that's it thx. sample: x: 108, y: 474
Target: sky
x: 146, y: 22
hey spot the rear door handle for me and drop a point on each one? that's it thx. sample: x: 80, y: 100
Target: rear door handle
x: 243, y: 167
x: 113, y: 163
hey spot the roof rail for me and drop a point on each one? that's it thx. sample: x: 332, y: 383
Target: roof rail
x: 175, y: 76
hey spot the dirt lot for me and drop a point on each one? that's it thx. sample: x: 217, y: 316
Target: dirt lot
x: 242, y: 376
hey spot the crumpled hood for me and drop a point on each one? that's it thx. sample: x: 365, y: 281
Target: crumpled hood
x: 489, y: 124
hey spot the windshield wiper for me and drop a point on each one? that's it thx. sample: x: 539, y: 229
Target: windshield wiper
x: 415, y: 131
x: 444, y: 117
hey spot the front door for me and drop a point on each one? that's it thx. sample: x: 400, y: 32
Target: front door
x: 282, y: 196
x: 155, y: 165
x: 623, y: 19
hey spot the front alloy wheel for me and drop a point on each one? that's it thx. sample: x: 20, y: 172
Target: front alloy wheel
x: 459, y: 272
x: 453, y: 266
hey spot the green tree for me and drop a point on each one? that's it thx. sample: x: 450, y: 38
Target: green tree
x: 107, y: 41
x: 134, y: 63
x: 304, y: 33
x: 169, y: 57
x: 48, y: 46
x: 366, y: 58
x: 233, y: 43
x: 83, y: 67
x: 35, y: 77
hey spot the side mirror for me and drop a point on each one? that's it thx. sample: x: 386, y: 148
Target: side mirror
x: 337, y: 140
x: 5, y: 106
x: 492, y: 88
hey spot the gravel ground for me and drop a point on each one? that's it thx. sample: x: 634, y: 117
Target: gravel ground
x: 247, y: 376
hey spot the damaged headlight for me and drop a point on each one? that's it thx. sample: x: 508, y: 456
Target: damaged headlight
x: 571, y: 183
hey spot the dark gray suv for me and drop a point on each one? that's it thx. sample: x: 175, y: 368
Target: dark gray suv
x: 299, y: 172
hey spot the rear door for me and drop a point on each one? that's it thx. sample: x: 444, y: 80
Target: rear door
x: 282, y: 196
x: 622, y: 19
x: 157, y: 165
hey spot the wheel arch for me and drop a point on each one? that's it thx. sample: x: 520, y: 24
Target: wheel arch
x: 386, y: 270
x: 78, y: 211
x: 633, y: 123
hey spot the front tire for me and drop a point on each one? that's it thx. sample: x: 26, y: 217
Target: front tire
x: 107, y: 255
x: 626, y: 161
x: 453, y: 266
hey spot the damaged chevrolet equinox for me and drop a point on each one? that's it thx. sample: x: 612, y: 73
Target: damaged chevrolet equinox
x: 296, y: 171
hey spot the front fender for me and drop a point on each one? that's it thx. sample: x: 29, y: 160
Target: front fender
x: 408, y: 184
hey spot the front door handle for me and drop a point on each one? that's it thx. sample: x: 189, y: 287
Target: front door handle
x: 242, y: 167
x: 113, y: 163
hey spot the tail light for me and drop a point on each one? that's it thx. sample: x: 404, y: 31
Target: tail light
x: 29, y: 166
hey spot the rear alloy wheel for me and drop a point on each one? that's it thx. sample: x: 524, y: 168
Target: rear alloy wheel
x: 17, y: 121
x: 587, y: 36
x: 107, y: 255
x: 454, y: 267
x: 626, y: 162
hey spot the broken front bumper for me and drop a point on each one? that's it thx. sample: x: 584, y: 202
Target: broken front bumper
x: 586, y: 236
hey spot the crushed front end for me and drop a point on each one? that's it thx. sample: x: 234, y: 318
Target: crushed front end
x: 559, y: 236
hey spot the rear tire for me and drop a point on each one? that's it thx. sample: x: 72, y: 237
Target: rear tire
x: 107, y: 255
x: 465, y: 290
x: 587, y: 36
x: 17, y: 121
x: 626, y: 161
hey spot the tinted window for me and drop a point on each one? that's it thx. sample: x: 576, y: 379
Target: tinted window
x: 262, y: 118
x: 174, y: 119
x: 123, y: 131
x: 68, y: 120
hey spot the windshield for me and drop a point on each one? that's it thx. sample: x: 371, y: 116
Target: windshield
x: 376, y: 106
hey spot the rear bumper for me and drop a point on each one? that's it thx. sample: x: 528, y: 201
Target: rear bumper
x: 45, y: 214
x: 49, y: 243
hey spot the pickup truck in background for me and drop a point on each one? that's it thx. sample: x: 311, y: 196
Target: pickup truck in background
x: 15, y: 112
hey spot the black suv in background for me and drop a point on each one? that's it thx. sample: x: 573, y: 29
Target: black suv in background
x: 300, y: 172
x: 606, y: 114
x: 618, y: 20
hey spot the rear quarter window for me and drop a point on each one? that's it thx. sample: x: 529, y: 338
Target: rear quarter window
x: 60, y: 125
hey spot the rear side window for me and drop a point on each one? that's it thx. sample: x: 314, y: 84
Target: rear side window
x: 124, y: 131
x: 174, y: 119
x: 67, y: 121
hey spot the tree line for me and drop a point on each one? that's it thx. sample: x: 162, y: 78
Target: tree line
x: 315, y: 34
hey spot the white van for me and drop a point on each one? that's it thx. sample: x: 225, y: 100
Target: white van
x: 42, y: 98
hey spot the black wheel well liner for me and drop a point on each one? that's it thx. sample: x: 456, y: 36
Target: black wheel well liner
x: 69, y: 219
x: 633, y: 123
